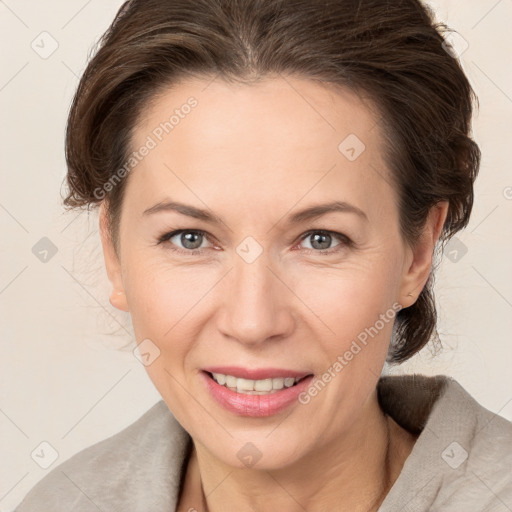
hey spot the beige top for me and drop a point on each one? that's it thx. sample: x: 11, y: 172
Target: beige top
x: 461, y: 461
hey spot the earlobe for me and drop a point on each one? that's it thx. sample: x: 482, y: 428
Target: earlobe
x: 112, y: 264
x: 118, y: 300
x: 419, y: 262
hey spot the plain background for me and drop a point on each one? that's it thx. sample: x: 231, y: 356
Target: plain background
x: 64, y: 379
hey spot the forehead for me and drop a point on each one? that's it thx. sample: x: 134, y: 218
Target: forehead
x: 275, y: 112
x: 285, y: 138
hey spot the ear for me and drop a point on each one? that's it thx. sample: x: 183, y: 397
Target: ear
x: 112, y: 263
x: 419, y: 258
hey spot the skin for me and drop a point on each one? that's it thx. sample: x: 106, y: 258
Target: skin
x: 254, y: 155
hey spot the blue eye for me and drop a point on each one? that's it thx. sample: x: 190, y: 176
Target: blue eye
x: 321, y: 242
x: 190, y: 241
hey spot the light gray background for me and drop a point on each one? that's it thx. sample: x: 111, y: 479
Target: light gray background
x: 64, y: 380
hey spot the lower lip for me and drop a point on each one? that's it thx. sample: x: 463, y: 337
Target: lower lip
x: 255, y: 405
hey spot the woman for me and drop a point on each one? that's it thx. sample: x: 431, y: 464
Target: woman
x: 273, y: 180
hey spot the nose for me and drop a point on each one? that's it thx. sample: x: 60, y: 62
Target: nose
x: 256, y: 306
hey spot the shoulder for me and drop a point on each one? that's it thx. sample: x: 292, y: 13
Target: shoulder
x: 463, y: 454
x: 477, y: 456
x: 130, y: 470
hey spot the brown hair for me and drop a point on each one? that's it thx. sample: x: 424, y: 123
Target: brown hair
x: 391, y: 51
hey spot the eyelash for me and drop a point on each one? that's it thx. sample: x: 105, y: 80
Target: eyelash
x: 343, y: 239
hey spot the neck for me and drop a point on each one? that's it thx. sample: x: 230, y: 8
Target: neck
x: 352, y: 473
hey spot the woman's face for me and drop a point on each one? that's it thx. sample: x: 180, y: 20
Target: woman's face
x: 255, y: 286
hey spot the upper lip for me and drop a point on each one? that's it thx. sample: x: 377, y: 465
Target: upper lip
x: 256, y: 373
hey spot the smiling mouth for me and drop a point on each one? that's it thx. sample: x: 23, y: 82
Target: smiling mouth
x: 255, y: 387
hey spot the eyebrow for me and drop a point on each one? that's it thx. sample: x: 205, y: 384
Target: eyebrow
x: 309, y: 213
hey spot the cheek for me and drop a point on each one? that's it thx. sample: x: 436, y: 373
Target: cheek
x: 169, y: 303
x: 167, y: 307
x: 160, y: 297
x: 349, y: 298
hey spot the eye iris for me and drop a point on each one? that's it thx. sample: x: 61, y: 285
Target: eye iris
x: 322, y: 239
x: 190, y: 240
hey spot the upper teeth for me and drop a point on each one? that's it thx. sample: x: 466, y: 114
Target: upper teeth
x: 250, y: 386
